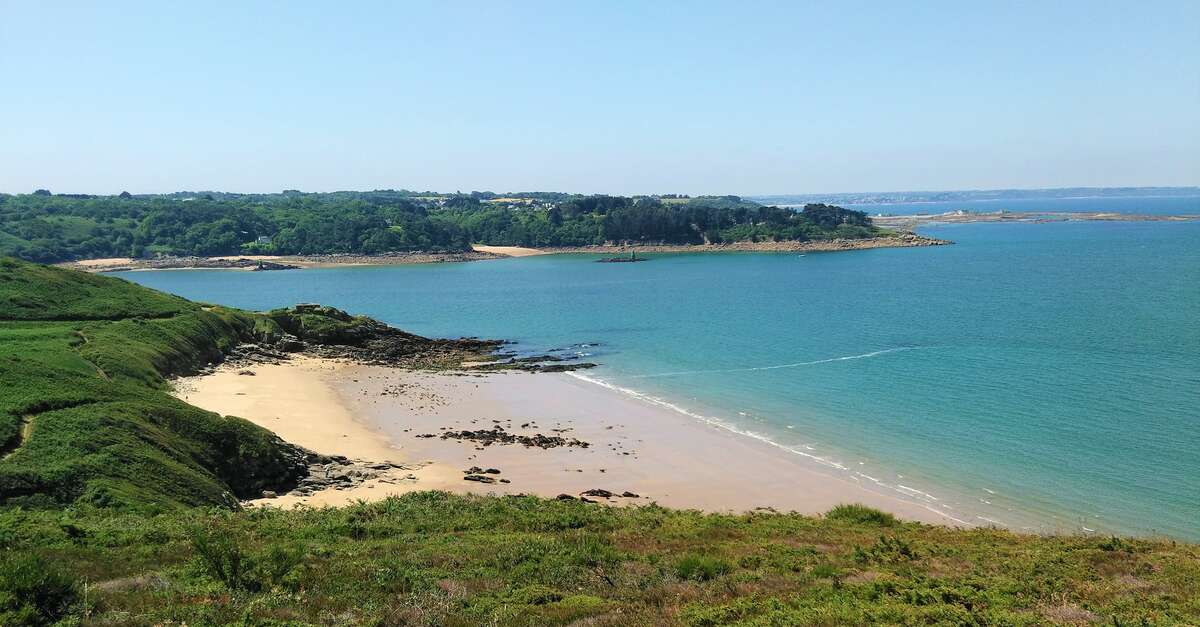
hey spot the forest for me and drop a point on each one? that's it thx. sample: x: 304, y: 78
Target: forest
x: 45, y: 227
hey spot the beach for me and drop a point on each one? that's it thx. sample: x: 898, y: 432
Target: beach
x: 644, y: 450
x: 276, y: 262
x: 479, y: 252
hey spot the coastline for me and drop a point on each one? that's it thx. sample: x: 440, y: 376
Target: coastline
x: 903, y: 240
x: 910, y: 222
x: 272, y: 262
x: 378, y: 413
x: 478, y: 253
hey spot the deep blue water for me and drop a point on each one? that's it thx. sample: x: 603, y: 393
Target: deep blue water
x: 1039, y: 375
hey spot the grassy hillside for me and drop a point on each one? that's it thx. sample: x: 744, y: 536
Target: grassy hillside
x: 35, y: 292
x: 436, y: 559
x: 84, y: 417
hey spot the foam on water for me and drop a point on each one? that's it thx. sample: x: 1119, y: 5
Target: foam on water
x: 780, y: 366
x: 918, y: 496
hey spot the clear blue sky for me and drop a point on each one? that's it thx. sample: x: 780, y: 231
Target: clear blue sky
x: 617, y: 97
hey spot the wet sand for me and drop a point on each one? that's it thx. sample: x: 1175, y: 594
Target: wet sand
x: 378, y: 413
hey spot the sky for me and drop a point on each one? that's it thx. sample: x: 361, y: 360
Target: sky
x: 597, y: 97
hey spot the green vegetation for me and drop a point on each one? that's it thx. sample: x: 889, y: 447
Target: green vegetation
x: 30, y: 292
x: 432, y: 558
x: 44, y: 227
x: 116, y: 507
x: 863, y: 515
x: 84, y: 415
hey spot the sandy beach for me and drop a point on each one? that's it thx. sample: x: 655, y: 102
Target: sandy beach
x: 380, y: 414
x: 478, y: 252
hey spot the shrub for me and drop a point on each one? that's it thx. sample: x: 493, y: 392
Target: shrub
x: 887, y: 550
x: 701, y: 567
x: 33, y: 591
x: 861, y: 514
x: 223, y: 559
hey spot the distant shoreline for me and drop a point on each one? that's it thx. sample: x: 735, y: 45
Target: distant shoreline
x: 480, y: 253
x: 909, y: 222
x: 904, y: 224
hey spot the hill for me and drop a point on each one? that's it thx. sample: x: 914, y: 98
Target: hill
x: 84, y: 415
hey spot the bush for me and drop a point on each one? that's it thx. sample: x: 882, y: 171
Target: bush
x: 863, y: 515
x: 887, y: 550
x: 222, y: 557
x: 33, y: 591
x: 701, y: 567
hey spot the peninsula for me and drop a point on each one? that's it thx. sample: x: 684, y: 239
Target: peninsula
x: 293, y: 229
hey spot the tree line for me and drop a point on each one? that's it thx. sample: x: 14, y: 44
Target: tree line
x: 45, y: 227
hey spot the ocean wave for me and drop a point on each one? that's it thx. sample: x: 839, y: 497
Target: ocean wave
x: 716, y: 422
x: 779, y: 366
x: 918, y: 497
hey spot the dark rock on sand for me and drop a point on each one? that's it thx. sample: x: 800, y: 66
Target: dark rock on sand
x: 497, y: 435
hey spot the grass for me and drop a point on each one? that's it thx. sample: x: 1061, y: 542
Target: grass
x: 84, y: 415
x: 34, y: 292
x: 861, y: 515
x: 433, y: 558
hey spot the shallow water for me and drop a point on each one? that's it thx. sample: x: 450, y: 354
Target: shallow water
x: 1039, y: 375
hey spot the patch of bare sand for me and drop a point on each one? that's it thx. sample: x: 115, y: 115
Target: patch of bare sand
x: 298, y: 401
x: 507, y: 251
x: 633, y: 446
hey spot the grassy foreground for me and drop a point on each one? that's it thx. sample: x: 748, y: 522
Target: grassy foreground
x: 436, y: 559
x: 118, y: 507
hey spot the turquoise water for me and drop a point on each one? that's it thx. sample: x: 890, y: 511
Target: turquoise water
x: 1044, y: 376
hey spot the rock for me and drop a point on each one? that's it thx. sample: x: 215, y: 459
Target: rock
x: 479, y: 479
x: 565, y: 497
x: 246, y: 373
x: 268, y: 494
x: 505, y: 481
x: 492, y: 471
x: 291, y: 345
x: 473, y: 470
x: 629, y: 495
x: 497, y: 435
x: 600, y: 492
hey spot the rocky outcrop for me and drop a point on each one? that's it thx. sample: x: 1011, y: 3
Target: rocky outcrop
x: 337, y: 472
x: 497, y: 435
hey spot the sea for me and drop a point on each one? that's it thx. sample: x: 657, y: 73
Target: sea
x: 1039, y: 376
